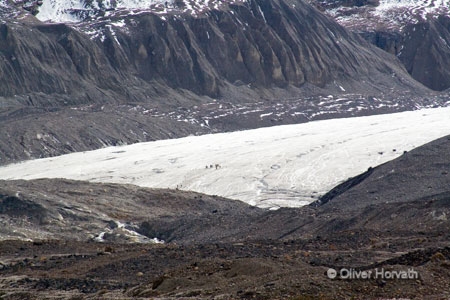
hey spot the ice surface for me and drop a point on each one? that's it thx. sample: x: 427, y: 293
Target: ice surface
x: 287, y: 165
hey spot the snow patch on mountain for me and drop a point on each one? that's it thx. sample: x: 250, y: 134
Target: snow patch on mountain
x: 59, y: 11
x: 389, y: 14
x: 71, y: 11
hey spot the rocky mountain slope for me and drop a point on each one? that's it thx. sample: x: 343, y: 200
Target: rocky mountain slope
x: 170, y: 62
x: 120, y: 56
x: 415, y: 31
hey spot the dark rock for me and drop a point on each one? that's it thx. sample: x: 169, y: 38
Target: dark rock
x: 422, y: 48
x: 16, y: 207
x: 342, y: 188
x: 417, y: 37
x: 389, y: 41
x: 279, y: 45
x: 426, y: 52
x: 345, y: 3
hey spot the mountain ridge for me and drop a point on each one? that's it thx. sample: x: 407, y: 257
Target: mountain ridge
x: 215, y: 71
x: 415, y: 31
x: 179, y: 54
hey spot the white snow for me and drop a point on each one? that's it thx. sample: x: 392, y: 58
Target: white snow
x: 267, y: 167
x: 393, y: 14
x: 58, y: 10
x: 130, y: 235
x: 100, y: 237
x: 63, y: 10
x: 120, y: 23
x: 262, y: 13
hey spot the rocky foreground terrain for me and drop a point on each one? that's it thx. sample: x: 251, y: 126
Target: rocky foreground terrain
x: 104, y: 241
x: 114, y: 74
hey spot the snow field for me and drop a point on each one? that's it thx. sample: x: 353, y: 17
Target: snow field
x: 60, y: 11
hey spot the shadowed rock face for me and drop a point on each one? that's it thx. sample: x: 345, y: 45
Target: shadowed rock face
x: 266, y: 44
x: 426, y: 52
x: 52, y: 66
x: 422, y: 48
x: 418, y: 34
x: 16, y: 208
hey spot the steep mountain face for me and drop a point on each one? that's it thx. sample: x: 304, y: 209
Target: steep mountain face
x: 417, y: 32
x: 426, y: 52
x: 262, y: 43
x: 181, y: 61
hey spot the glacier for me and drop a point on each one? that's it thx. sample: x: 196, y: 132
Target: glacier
x: 280, y: 166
